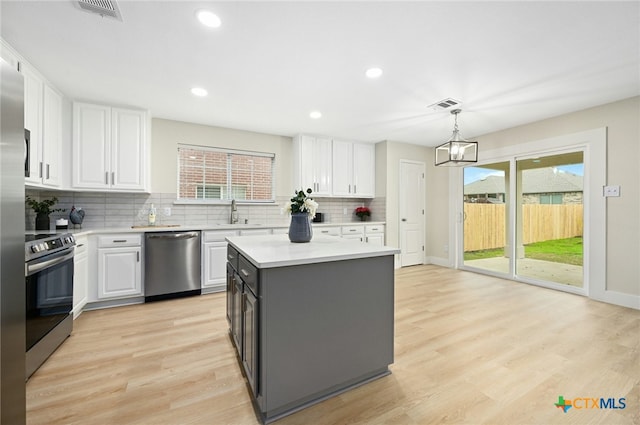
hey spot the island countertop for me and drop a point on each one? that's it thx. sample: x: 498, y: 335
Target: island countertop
x: 269, y: 251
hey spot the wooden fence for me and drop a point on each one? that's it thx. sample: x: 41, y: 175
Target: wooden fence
x: 485, y: 225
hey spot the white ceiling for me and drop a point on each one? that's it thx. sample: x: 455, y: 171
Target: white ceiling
x: 271, y: 63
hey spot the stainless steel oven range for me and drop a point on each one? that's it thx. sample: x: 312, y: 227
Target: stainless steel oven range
x: 49, y: 295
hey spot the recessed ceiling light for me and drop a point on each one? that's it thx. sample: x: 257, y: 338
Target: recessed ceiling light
x: 315, y: 115
x: 208, y: 18
x: 199, y: 91
x: 373, y: 72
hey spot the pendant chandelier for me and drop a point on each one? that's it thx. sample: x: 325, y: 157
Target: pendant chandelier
x: 457, y: 150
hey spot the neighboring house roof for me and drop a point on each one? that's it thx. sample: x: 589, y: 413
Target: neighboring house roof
x: 539, y: 180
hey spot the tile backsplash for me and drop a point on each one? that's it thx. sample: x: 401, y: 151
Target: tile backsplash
x: 113, y: 210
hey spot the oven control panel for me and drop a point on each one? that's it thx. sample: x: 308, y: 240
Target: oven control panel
x: 40, y: 245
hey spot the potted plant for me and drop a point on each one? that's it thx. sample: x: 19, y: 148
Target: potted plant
x: 363, y: 213
x: 302, y: 209
x: 43, y: 209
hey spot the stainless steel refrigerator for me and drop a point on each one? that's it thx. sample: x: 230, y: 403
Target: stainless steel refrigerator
x: 12, y: 280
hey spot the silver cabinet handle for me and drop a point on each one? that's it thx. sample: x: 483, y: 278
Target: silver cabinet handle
x: 355, y: 190
x: 244, y: 272
x: 40, y: 173
x: 349, y: 188
x: 106, y: 177
x: 119, y: 240
x: 138, y: 256
x: 113, y: 178
x: 47, y: 171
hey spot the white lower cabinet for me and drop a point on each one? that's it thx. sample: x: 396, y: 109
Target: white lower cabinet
x: 119, y: 266
x: 355, y: 232
x: 80, y: 275
x: 327, y: 231
x: 374, y: 234
x: 214, y: 260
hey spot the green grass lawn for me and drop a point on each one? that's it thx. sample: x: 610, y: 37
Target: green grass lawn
x: 568, y: 251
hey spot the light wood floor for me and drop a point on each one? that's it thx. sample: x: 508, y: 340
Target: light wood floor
x: 469, y: 349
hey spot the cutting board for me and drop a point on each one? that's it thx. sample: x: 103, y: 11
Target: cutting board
x: 146, y: 226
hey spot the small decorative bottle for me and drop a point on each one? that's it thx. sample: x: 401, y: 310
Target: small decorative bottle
x: 152, y: 216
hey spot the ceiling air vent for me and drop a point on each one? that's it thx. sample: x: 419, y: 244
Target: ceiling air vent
x: 445, y: 104
x: 101, y: 7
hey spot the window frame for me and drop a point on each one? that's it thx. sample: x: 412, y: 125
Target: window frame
x: 229, y: 183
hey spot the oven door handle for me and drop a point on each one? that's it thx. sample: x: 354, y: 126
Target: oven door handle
x: 36, y: 267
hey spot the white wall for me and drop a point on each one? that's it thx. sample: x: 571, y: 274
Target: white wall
x: 166, y: 134
x: 623, y: 156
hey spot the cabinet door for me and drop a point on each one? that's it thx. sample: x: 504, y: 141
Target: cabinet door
x: 250, y: 339
x: 215, y: 265
x: 119, y: 272
x: 80, y: 278
x: 322, y: 164
x: 128, y: 149
x: 51, y: 137
x: 229, y: 293
x: 33, y: 99
x: 364, y: 170
x: 312, y: 164
x: 236, y: 313
x: 91, y: 146
x: 342, y: 168
x: 376, y: 239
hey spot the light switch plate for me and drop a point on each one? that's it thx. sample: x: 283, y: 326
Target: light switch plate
x: 613, y: 190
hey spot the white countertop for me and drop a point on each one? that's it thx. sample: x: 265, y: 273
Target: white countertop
x: 187, y: 227
x: 277, y: 251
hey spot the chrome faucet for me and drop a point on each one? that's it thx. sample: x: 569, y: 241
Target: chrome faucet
x: 234, y: 212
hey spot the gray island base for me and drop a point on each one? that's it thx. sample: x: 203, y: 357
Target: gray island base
x: 320, y: 324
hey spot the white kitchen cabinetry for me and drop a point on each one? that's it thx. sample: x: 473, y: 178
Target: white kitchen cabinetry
x: 80, y: 275
x: 214, y: 260
x: 327, y: 231
x: 312, y: 164
x: 119, y: 266
x: 110, y: 148
x: 355, y: 232
x: 353, y: 169
x: 255, y: 232
x: 374, y: 234
x: 43, y: 119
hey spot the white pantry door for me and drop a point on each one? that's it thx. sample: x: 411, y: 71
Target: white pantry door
x: 411, y: 212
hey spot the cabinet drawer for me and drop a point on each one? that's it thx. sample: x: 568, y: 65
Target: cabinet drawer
x: 352, y: 230
x: 232, y: 257
x: 330, y: 231
x: 113, y: 241
x: 249, y: 274
x: 374, y: 228
x: 81, y: 245
x: 218, y: 235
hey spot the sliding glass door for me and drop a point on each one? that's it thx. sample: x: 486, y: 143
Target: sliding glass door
x: 523, y: 218
x: 549, y: 218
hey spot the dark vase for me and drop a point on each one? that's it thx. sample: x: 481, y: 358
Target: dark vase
x: 300, y: 228
x: 42, y: 221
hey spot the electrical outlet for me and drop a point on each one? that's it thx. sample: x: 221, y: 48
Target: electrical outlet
x: 446, y: 248
x: 167, y: 212
x: 613, y: 190
x: 344, y: 211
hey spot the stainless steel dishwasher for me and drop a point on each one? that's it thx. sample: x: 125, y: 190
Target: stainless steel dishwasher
x: 171, y: 265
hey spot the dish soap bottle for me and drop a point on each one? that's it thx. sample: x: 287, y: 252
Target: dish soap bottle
x: 152, y: 216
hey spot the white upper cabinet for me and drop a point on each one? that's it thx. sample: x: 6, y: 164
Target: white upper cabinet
x: 51, y: 137
x: 109, y: 148
x: 43, y: 119
x: 353, y: 169
x: 312, y: 164
x: 33, y: 100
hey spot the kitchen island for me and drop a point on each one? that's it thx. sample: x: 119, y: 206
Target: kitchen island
x: 309, y: 320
